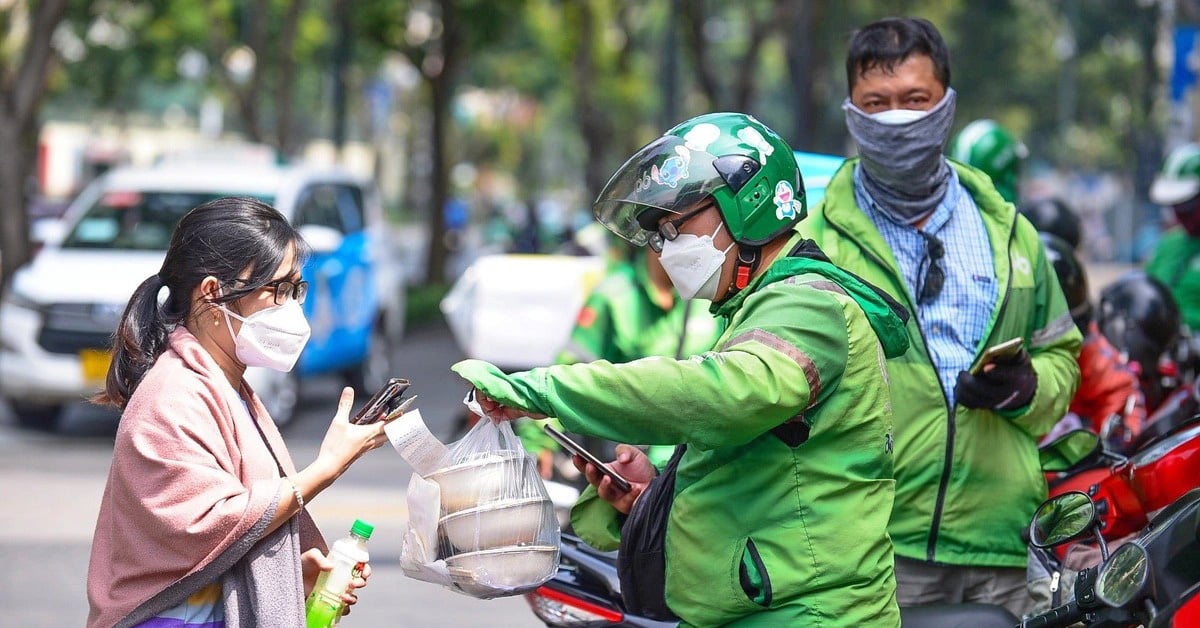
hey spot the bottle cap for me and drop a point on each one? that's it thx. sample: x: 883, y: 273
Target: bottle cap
x: 362, y: 528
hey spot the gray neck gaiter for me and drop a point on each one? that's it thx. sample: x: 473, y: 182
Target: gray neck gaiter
x: 902, y: 164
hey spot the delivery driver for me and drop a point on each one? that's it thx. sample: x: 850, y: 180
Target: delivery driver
x: 783, y: 493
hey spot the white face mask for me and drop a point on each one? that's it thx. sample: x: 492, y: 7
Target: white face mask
x: 272, y: 338
x: 694, y: 264
x: 897, y: 117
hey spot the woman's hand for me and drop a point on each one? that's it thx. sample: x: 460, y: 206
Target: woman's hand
x: 351, y: 596
x: 312, y: 563
x: 346, y: 442
x: 498, y: 412
x: 632, y: 463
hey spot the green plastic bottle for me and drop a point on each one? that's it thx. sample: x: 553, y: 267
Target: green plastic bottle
x: 324, y: 606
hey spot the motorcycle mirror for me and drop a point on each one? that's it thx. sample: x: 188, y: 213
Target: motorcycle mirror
x: 1061, y: 518
x: 1073, y: 449
x: 1125, y: 576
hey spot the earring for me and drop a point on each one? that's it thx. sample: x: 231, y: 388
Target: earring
x: 216, y: 319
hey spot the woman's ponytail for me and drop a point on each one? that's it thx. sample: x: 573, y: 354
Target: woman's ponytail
x: 140, y: 337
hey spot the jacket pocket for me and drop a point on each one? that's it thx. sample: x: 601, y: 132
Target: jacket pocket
x: 752, y: 573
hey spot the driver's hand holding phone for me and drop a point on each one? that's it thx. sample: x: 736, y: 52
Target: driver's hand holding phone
x: 1003, y: 379
x: 619, y: 482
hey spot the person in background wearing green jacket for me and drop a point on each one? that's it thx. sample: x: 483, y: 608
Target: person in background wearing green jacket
x: 937, y: 236
x: 634, y: 312
x: 783, y: 492
x: 1175, y: 260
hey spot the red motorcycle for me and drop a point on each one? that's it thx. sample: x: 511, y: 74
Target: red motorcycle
x: 1164, y: 465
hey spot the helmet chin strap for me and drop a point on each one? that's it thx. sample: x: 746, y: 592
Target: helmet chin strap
x: 748, y: 259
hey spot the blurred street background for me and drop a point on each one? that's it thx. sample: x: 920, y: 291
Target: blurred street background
x: 451, y: 130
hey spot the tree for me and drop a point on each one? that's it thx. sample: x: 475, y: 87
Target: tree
x: 438, y: 37
x: 22, y: 85
x: 269, y: 41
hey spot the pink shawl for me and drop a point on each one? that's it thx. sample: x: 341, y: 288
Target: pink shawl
x: 191, y: 486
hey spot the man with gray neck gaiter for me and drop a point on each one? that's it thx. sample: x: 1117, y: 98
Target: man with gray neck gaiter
x: 940, y: 239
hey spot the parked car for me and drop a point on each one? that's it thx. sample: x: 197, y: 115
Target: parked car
x: 58, y: 317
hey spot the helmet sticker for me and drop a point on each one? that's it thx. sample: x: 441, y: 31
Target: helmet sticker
x: 785, y: 201
x: 701, y: 136
x: 673, y: 169
x: 751, y: 137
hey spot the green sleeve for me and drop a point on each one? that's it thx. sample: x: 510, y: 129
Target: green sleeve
x: 1054, y: 348
x: 785, y: 344
x: 533, y: 437
x: 596, y: 521
x: 1164, y: 259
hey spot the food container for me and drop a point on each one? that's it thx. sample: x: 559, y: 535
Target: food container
x: 497, y: 524
x: 481, y: 480
x: 503, y: 571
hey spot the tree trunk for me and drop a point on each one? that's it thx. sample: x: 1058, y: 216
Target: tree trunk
x: 695, y: 14
x: 249, y: 95
x: 341, y: 62
x: 593, y: 123
x: 745, y: 80
x: 806, y: 59
x: 442, y: 93
x: 284, y: 87
x: 21, y: 90
x: 14, y: 224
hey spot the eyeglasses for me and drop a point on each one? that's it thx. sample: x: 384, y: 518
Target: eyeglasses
x: 285, y: 289
x: 933, y: 276
x: 669, y: 230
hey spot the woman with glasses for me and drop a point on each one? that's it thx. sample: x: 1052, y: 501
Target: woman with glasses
x: 784, y: 484
x: 202, y: 522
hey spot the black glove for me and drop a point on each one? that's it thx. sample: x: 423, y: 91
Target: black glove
x: 1007, y: 385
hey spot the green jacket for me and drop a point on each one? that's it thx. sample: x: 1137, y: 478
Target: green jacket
x: 1176, y: 263
x: 967, y: 481
x: 760, y: 533
x: 622, y: 321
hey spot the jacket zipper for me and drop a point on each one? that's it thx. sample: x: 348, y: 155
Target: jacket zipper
x: 930, y: 551
x: 939, y: 504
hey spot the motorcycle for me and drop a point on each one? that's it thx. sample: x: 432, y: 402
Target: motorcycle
x: 1163, y: 465
x: 1152, y: 580
x: 587, y: 592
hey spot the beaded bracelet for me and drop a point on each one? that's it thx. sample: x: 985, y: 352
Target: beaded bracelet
x: 296, y: 490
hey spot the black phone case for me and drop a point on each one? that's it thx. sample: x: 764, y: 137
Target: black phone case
x: 382, y: 402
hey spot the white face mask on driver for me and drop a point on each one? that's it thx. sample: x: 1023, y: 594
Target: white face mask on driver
x: 694, y: 264
x: 271, y: 338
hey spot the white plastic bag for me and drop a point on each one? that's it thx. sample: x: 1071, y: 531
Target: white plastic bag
x: 489, y: 530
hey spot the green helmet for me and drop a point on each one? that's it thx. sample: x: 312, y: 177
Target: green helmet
x: 989, y: 147
x: 745, y: 166
x: 1179, y: 180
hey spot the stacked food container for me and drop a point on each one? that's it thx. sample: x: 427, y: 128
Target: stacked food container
x: 498, y: 533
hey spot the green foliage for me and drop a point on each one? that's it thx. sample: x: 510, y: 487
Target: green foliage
x: 586, y: 96
x: 423, y: 303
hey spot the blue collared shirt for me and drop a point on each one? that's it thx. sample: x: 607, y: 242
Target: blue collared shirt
x: 954, y: 323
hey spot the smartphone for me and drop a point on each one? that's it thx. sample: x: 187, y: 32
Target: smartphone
x: 575, y: 448
x: 381, y: 403
x: 1006, y: 349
